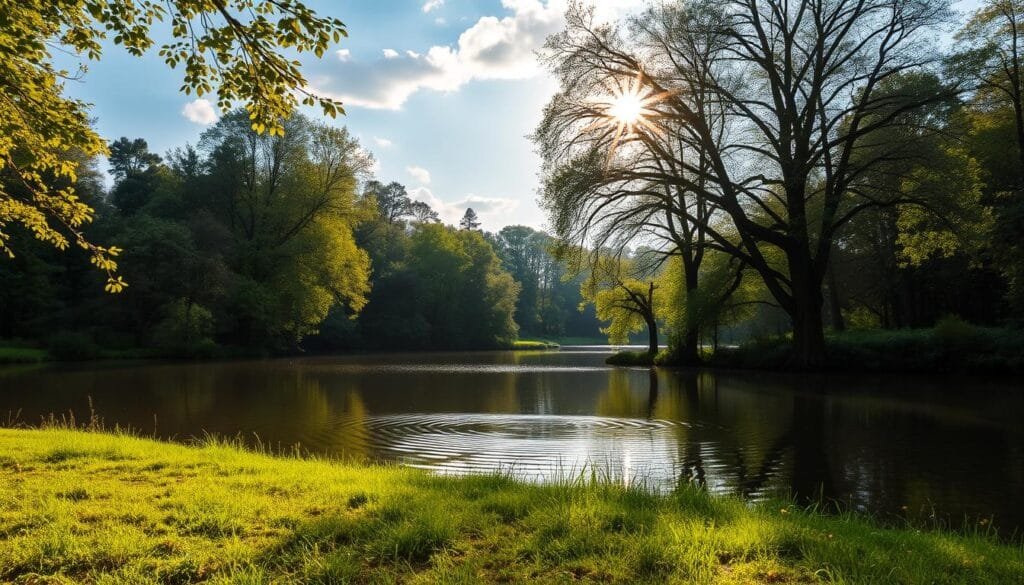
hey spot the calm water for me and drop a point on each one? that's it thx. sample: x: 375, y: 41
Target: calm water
x: 903, y: 445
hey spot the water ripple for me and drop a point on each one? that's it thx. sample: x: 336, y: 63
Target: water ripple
x: 532, y: 446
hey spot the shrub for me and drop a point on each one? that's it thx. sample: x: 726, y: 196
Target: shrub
x: 186, y: 330
x: 70, y: 346
x: 631, y: 358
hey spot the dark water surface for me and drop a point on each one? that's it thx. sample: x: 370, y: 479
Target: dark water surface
x: 888, y: 444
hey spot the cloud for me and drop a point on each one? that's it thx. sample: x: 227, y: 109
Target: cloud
x: 200, y: 111
x: 492, y: 48
x: 421, y: 174
x: 493, y: 211
x: 343, y: 55
x: 382, y: 142
x: 432, y: 5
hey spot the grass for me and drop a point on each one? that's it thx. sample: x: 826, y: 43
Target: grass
x: 533, y: 345
x: 95, y: 507
x: 22, y: 355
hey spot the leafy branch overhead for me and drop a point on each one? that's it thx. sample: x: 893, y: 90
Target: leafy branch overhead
x: 233, y: 48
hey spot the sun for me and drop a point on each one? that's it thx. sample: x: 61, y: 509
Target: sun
x: 628, y: 108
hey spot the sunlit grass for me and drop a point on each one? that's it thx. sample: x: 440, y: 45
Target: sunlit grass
x: 106, y: 508
x: 533, y: 345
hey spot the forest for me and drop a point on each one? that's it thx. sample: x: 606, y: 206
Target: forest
x: 255, y: 244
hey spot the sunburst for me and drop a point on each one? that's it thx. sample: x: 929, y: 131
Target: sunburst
x: 628, y: 108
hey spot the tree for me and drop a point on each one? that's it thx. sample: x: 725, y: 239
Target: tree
x: 798, y: 88
x: 135, y: 170
x: 392, y: 200
x: 522, y: 252
x: 421, y: 212
x: 289, y: 203
x: 992, y: 42
x: 628, y: 303
x: 219, y: 44
x: 469, y: 221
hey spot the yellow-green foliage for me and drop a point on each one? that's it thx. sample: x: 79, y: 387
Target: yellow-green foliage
x: 103, y: 508
x: 223, y: 47
x: 619, y: 298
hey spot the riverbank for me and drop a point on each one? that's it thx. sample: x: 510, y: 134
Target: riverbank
x: 952, y: 346
x: 91, y: 506
x: 77, y: 350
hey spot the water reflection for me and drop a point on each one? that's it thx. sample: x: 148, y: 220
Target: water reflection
x: 881, y: 444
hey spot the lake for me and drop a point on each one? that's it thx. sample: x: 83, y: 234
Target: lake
x: 946, y: 447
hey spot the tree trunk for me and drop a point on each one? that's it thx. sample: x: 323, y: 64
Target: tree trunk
x: 808, y: 325
x: 652, y: 332
x: 808, y: 333
x: 689, y: 352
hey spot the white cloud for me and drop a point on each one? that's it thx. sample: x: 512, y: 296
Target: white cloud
x: 432, y: 5
x: 492, y: 48
x: 421, y: 174
x: 382, y: 142
x: 200, y: 111
x: 343, y: 55
x: 440, y: 21
x: 493, y: 211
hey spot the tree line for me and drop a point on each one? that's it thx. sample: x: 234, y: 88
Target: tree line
x: 820, y: 159
x: 276, y: 243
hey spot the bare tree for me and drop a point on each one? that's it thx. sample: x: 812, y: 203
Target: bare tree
x: 777, y: 98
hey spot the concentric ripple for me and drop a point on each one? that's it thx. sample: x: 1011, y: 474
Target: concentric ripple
x: 538, y: 447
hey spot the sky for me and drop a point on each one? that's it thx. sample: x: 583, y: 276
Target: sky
x: 444, y: 93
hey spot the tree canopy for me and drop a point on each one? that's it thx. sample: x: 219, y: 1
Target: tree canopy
x: 234, y: 49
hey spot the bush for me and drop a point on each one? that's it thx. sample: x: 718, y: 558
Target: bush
x: 186, y: 330
x: 631, y: 358
x: 951, y: 346
x: 72, y: 346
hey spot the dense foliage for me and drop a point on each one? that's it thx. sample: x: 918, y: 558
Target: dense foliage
x: 262, y: 243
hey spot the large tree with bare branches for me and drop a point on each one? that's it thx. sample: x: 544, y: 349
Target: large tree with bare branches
x: 768, y: 105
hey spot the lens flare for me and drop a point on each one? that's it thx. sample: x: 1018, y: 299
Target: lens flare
x: 628, y: 109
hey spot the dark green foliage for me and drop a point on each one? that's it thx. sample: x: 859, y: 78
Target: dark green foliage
x: 951, y: 346
x: 72, y: 346
x: 548, y: 303
x: 246, y: 242
x: 434, y: 287
x: 631, y: 358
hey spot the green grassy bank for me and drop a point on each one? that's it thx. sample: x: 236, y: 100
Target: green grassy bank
x: 22, y: 355
x: 533, y: 345
x: 104, y: 508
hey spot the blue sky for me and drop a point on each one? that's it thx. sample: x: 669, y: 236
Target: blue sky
x: 443, y: 92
